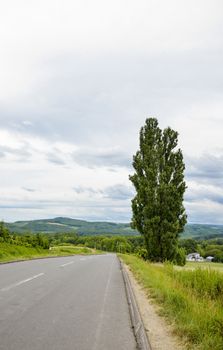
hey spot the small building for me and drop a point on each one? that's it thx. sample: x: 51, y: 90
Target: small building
x: 194, y: 257
x: 209, y: 258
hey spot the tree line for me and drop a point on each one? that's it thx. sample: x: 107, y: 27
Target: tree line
x: 120, y: 244
x: 26, y: 239
x: 206, y: 247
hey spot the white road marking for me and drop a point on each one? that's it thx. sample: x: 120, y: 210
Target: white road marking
x: 71, y: 262
x: 5, y: 289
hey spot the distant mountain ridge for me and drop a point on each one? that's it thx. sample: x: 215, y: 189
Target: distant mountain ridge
x: 63, y: 225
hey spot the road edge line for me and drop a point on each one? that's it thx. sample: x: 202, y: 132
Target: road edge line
x: 136, y: 319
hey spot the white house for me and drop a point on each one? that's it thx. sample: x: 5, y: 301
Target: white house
x: 194, y: 257
x: 209, y: 258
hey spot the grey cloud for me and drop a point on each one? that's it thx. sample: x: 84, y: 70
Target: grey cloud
x: 20, y: 126
x: 21, y: 205
x: 115, y: 193
x: 102, y: 99
x: 55, y: 159
x: 40, y: 204
x: 208, y: 167
x: 204, y: 194
x: 29, y: 189
x: 101, y: 158
x: 205, y: 174
x: 119, y: 192
x: 27, y: 123
x: 20, y: 153
x: 217, y: 198
x: 86, y: 190
x: 204, y: 214
x: 200, y: 217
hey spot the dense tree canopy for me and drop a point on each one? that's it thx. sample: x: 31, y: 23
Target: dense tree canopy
x: 158, y: 211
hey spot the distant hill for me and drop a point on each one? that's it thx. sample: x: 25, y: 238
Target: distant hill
x: 62, y: 225
x: 201, y: 231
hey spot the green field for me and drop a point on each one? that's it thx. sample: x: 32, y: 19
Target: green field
x: 191, y: 299
x: 202, y: 265
x: 9, y: 252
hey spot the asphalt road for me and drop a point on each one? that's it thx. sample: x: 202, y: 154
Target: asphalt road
x: 64, y: 303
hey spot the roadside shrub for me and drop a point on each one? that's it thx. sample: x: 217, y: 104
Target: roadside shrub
x: 142, y: 253
x: 180, y: 258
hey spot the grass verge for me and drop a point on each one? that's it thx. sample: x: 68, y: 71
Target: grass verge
x: 11, y: 252
x: 191, y: 300
x: 202, y: 265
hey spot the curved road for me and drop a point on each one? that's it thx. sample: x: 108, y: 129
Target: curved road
x: 76, y: 302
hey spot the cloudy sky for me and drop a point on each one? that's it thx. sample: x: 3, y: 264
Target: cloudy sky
x: 77, y: 81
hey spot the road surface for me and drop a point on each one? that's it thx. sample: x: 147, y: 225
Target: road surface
x: 76, y: 302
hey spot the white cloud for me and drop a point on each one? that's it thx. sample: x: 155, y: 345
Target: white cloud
x: 78, y: 80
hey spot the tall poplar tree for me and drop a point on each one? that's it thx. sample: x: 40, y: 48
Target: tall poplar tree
x: 158, y: 211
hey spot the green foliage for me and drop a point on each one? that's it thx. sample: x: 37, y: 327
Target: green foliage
x: 10, y: 252
x: 180, y: 257
x: 28, y: 240
x: 158, y: 212
x: 4, y: 232
x: 31, y: 240
x: 216, y: 252
x: 31, y: 245
x: 121, y: 244
x: 189, y: 245
x: 28, y: 246
x: 211, y: 247
x: 142, y: 253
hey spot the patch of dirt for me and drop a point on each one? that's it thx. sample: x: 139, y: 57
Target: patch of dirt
x: 159, y: 332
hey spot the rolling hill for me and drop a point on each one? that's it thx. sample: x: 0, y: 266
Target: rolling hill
x: 62, y: 225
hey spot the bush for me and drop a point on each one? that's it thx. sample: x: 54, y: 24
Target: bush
x: 142, y: 253
x: 180, y: 258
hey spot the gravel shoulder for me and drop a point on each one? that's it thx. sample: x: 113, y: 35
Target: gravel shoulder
x: 159, y: 332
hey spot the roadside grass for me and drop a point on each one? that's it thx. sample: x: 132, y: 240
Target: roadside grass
x: 191, y: 300
x: 70, y: 250
x: 190, y: 265
x: 11, y: 252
